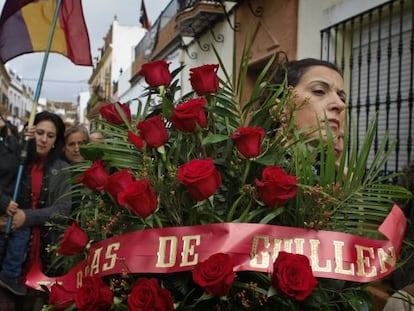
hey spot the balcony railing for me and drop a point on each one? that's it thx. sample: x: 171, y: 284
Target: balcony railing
x: 181, y: 18
x: 195, y: 16
x: 169, y: 13
x: 185, y: 4
x: 192, y: 16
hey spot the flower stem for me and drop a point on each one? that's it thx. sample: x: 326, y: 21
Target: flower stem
x: 246, y: 171
x: 200, y: 140
x: 233, y: 207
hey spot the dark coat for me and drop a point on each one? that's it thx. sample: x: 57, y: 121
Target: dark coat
x: 9, y: 164
x: 54, y: 205
x: 405, y: 274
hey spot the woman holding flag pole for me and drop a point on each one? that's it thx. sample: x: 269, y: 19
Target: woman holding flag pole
x: 9, y: 153
x: 20, y: 35
x: 45, y: 184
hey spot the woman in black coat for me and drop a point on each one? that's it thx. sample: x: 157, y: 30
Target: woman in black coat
x: 9, y: 155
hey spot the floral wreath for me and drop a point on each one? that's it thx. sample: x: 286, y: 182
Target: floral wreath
x: 190, y: 162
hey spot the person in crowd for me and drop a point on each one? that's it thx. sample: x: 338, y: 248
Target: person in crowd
x: 319, y: 97
x: 75, y: 137
x: 320, y: 103
x: 402, y: 279
x: 10, y: 245
x: 405, y: 275
x: 12, y: 129
x: 47, y: 203
x: 96, y: 136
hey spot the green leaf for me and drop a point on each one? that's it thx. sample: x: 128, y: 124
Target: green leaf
x: 213, y: 139
x: 268, y: 159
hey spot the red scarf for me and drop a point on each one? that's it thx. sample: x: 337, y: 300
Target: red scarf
x: 35, y: 263
x: 37, y: 178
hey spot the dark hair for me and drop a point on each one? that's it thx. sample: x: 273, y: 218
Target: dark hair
x: 56, y: 152
x: 294, y: 70
x: 13, y: 129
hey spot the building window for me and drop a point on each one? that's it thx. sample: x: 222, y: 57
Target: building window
x: 373, y: 51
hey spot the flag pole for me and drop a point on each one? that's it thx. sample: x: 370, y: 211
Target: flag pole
x: 23, y: 153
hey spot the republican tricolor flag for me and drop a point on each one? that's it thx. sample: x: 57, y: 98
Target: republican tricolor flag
x: 143, y: 17
x: 25, y: 26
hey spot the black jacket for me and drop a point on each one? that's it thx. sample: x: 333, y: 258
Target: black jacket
x: 54, y: 206
x: 9, y: 165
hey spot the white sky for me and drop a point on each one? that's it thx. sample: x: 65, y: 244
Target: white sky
x: 63, y: 80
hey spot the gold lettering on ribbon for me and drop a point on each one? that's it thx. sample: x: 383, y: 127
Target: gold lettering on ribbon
x: 254, y: 254
x: 315, y: 258
x: 277, y: 247
x: 299, y: 245
x: 111, y: 256
x: 162, y: 250
x: 287, y: 245
x: 385, y: 258
x: 339, y: 260
x: 79, y: 276
x: 188, y: 250
x: 363, y: 261
x: 96, y: 261
x: 86, y: 270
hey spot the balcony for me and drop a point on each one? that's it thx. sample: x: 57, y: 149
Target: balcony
x: 4, y: 104
x: 195, y: 16
x: 181, y: 18
x: 96, y: 101
x: 4, y: 110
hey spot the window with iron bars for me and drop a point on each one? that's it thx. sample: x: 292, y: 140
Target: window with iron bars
x: 375, y: 51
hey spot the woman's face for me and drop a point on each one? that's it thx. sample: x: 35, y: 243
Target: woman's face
x: 45, y: 135
x: 72, y: 147
x: 320, y: 100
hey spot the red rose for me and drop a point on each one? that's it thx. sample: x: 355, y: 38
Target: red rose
x: 156, y: 73
x: 95, y: 177
x: 277, y: 186
x: 146, y: 294
x: 94, y: 295
x: 204, y: 79
x: 110, y: 114
x: 153, y: 131
x: 118, y: 182
x: 215, y: 275
x: 135, y: 140
x: 74, y: 241
x: 200, y: 178
x: 293, y: 276
x: 139, y: 197
x: 185, y: 116
x: 60, y: 298
x: 248, y: 140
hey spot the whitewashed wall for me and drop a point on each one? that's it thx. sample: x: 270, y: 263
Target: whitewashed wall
x: 318, y: 14
x: 224, y: 48
x: 124, y: 38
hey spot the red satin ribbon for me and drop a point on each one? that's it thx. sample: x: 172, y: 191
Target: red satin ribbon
x: 252, y: 247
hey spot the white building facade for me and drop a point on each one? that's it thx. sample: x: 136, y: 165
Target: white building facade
x: 20, y: 97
